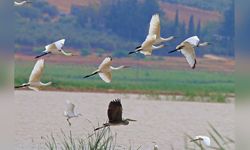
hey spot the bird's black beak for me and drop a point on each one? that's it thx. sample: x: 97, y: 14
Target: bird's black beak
x: 131, y: 120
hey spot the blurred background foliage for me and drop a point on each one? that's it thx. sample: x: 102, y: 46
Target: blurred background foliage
x: 119, y: 26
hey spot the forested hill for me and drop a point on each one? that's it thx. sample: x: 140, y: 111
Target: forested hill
x: 103, y: 26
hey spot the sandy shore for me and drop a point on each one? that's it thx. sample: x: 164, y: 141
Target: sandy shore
x: 165, y: 122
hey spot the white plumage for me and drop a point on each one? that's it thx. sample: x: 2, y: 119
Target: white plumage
x: 147, y: 46
x: 153, y: 38
x: 35, y: 77
x: 70, y: 111
x: 104, y: 70
x: 155, y: 29
x: 55, y: 48
x: 204, y: 140
x: 21, y: 3
x: 156, y: 147
x: 187, y: 48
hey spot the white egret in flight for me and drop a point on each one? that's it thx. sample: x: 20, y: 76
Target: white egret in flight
x: 104, y: 70
x: 21, y: 3
x: 147, y: 46
x: 35, y: 77
x: 187, y: 48
x: 70, y: 112
x: 155, y: 29
x: 153, y: 38
x: 55, y: 48
x: 115, y: 115
x: 203, y: 139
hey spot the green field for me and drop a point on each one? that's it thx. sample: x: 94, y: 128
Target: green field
x: 190, y: 83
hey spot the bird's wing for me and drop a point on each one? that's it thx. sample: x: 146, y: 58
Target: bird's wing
x: 154, y: 28
x: 37, y: 71
x: 147, y: 44
x: 146, y: 53
x: 59, y: 44
x: 189, y: 53
x: 70, y: 107
x: 206, y: 140
x: 55, y: 46
x: 105, y: 63
x: 194, y: 40
x: 50, y: 47
x: 107, y: 76
x: 115, y: 111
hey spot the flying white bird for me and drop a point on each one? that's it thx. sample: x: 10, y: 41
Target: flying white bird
x: 35, y: 77
x: 104, y: 70
x: 153, y: 37
x: 187, y: 48
x: 21, y: 3
x: 155, y: 29
x: 204, y: 139
x: 70, y: 112
x: 147, y: 46
x: 115, y: 115
x: 55, y: 48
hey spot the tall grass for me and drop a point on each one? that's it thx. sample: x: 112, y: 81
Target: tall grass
x: 105, y: 140
x: 100, y: 140
x: 219, y: 142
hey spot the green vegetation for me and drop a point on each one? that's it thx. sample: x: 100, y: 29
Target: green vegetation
x: 148, y: 80
x: 100, y: 140
x: 116, y: 26
x: 218, y: 5
x: 105, y: 140
x: 219, y: 142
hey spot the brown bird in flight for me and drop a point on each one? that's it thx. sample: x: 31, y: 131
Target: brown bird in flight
x: 115, y: 115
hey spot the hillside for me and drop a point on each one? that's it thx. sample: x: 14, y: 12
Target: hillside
x: 170, y: 9
x: 205, y: 16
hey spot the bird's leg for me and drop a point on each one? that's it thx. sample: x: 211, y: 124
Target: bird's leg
x: 68, y: 121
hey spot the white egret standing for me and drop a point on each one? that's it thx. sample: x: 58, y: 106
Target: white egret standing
x: 22, y: 3
x: 115, y: 115
x: 204, y: 139
x: 70, y: 112
x: 104, y: 70
x: 35, y: 77
x: 55, y: 48
x: 187, y: 48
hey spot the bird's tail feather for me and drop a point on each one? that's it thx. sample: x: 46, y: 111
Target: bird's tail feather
x: 43, y: 54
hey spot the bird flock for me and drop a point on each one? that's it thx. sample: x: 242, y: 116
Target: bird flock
x: 114, y: 112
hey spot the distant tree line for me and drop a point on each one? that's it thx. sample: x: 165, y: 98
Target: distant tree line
x: 117, y: 27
